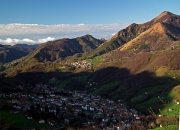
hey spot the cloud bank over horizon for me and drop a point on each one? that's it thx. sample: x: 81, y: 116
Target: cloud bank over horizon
x: 10, y: 41
x: 18, y: 33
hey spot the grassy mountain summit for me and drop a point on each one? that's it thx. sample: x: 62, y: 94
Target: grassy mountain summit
x: 166, y: 21
x: 160, y: 36
x: 62, y: 48
x: 167, y: 17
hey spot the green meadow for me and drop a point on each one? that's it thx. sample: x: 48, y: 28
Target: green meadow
x: 20, y: 121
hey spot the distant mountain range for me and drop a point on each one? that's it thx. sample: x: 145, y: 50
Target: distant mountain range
x: 9, y: 53
x: 51, y: 52
x: 136, y: 43
x: 57, y: 50
x: 34, y: 46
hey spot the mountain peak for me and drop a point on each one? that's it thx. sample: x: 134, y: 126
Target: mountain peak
x: 88, y: 36
x: 164, y: 17
x: 166, y: 13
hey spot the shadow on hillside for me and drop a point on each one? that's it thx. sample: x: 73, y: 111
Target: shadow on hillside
x: 140, y: 91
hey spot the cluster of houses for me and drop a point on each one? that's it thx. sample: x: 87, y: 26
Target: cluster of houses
x: 81, y: 64
x: 70, y: 108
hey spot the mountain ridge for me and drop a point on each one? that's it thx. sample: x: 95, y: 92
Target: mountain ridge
x: 67, y: 47
x: 133, y: 30
x: 9, y: 53
x: 159, y: 34
x: 34, y: 46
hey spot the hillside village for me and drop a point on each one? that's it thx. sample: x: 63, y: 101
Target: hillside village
x: 139, y: 64
x: 81, y: 64
x: 61, y: 108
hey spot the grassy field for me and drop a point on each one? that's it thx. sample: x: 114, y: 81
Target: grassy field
x: 20, y: 121
x: 104, y: 87
x: 166, y: 103
x: 83, y: 78
x: 153, y: 89
x: 165, y: 106
x: 137, y: 98
x: 153, y: 100
x: 63, y: 84
x: 170, y: 127
x: 174, y: 94
x: 95, y: 60
x: 149, y: 103
x: 174, y: 109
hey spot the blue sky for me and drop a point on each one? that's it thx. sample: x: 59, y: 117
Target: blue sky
x: 38, y: 20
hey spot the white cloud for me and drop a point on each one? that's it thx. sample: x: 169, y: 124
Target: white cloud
x: 60, y: 29
x: 10, y: 41
x: 46, y: 39
x: 37, y: 33
x: 26, y: 40
x: 113, y: 34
